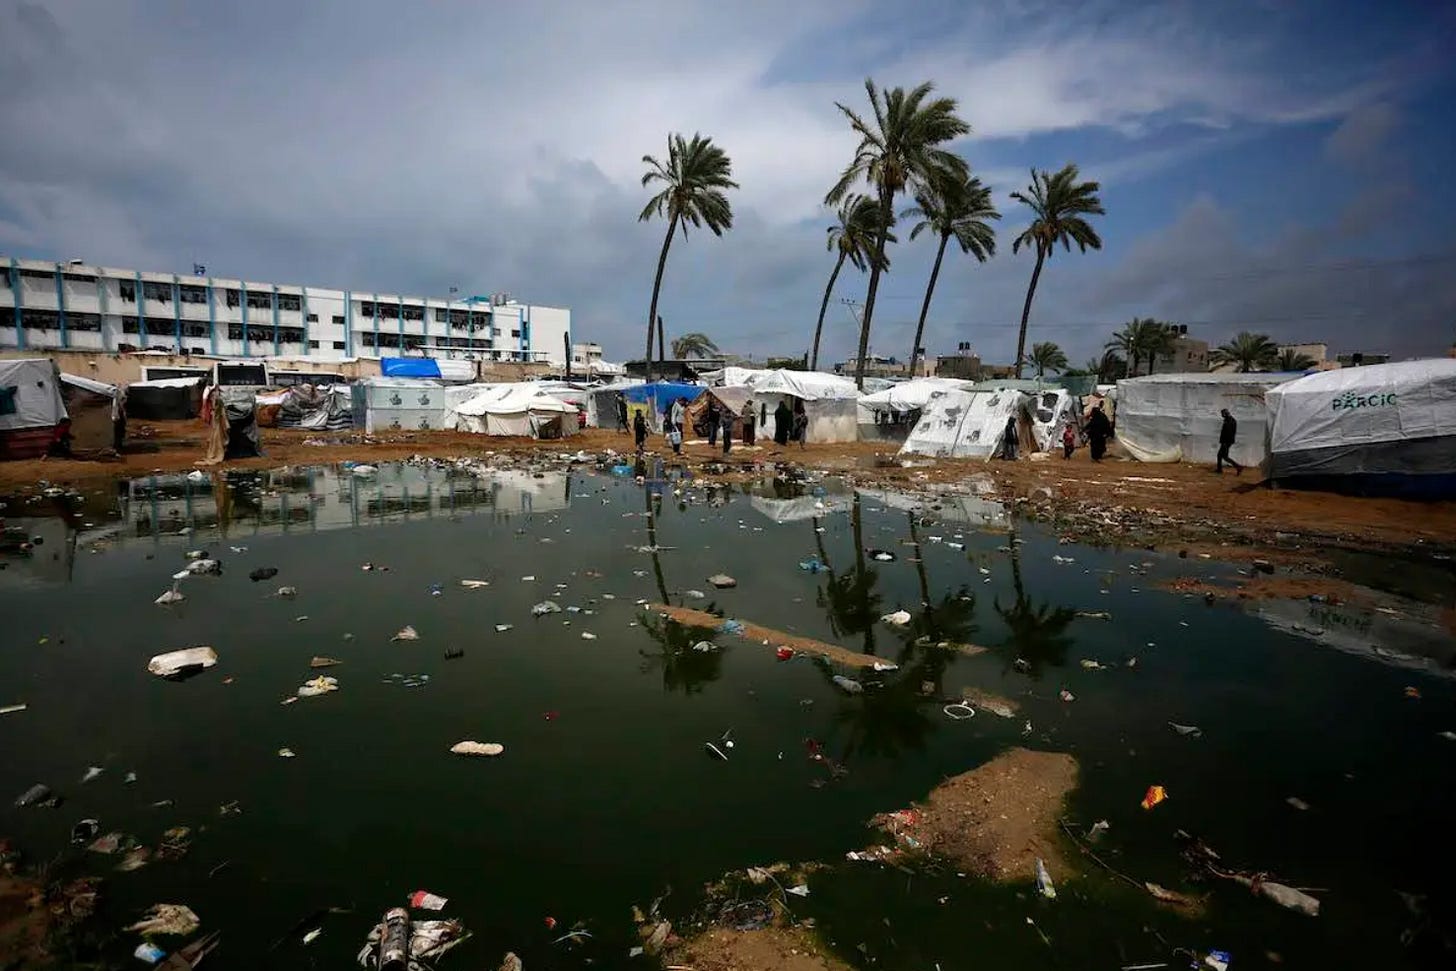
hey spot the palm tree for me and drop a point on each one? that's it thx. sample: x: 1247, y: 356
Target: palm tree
x: 1158, y: 339
x: 1292, y: 360
x: 693, y: 345
x: 1142, y: 339
x: 1047, y: 356
x: 853, y: 238
x: 694, y: 177
x: 956, y: 208
x: 899, y: 149
x: 1058, y: 203
x: 1109, y: 368
x: 1251, y: 352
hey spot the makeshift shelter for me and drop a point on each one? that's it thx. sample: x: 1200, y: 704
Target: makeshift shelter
x: 969, y: 424
x: 1383, y: 429
x: 91, y: 406
x: 655, y: 398
x: 1176, y: 417
x: 318, y: 408
x: 453, y: 372
x: 164, y: 399
x: 729, y: 399
x: 30, y: 407
x: 396, y: 404
x: 234, y: 421
x: 829, y: 404
x: 601, y: 404
x: 516, y: 409
x: 1052, y: 410
x: 891, y: 414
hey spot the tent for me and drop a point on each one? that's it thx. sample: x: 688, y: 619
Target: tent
x: 321, y: 408
x: 829, y: 403
x: 732, y: 399
x: 516, y: 409
x: 30, y: 407
x: 165, y: 398
x: 1385, y: 428
x: 234, y: 418
x: 1052, y: 410
x: 91, y: 406
x: 396, y: 404
x: 969, y: 424
x: 455, y: 372
x: 655, y: 398
x: 891, y: 413
x: 1175, y: 417
x: 601, y: 405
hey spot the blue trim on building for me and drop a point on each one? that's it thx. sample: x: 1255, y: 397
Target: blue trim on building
x: 303, y: 316
x: 425, y: 321
x: 348, y: 323
x: 103, y: 305
x: 61, y: 305
x: 243, y: 302
x: 14, y: 272
x: 141, y: 305
x: 177, y: 311
x: 276, y: 349
x: 376, y: 323
x: 525, y: 331
x: 212, y: 314
x: 401, y: 326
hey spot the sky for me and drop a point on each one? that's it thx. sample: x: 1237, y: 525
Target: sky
x: 1261, y: 161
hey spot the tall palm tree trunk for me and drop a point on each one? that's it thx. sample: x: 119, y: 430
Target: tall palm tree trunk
x: 1026, y: 308
x: 887, y: 216
x: 925, y: 306
x: 856, y: 528
x: 661, y: 337
x: 652, y: 541
x: 657, y: 289
x: 823, y: 306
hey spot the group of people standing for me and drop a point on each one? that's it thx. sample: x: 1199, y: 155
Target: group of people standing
x: 718, y: 419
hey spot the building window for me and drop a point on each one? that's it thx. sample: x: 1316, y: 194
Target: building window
x: 366, y: 340
x: 128, y: 291
x: 441, y: 315
x: 260, y: 301
x: 78, y: 278
x: 289, y: 301
x: 412, y: 343
x: 515, y: 333
x: 191, y: 328
x: 233, y: 298
x: 414, y: 313
x: 87, y: 322
x: 366, y: 307
x: 313, y: 318
x: 157, y: 291
x: 338, y: 345
x: 389, y: 311
x: 237, y: 332
x: 338, y: 318
x: 313, y: 345
x: 128, y: 325
x: 191, y: 294
x: 40, y: 319
x: 37, y: 275
x: 290, y: 335
x: 161, y: 326
x: 389, y: 340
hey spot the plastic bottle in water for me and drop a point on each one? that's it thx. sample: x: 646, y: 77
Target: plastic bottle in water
x: 394, y: 942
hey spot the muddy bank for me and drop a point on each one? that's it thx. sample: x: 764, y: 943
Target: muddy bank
x: 770, y: 948
x: 1263, y: 587
x: 774, y: 638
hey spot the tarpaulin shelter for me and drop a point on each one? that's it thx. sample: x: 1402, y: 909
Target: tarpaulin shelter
x: 234, y: 430
x: 601, y: 406
x: 516, y: 409
x: 893, y: 412
x: 1382, y: 428
x: 969, y: 424
x: 319, y: 408
x: 165, y: 398
x: 829, y: 403
x: 30, y: 407
x: 455, y: 372
x: 1176, y: 417
x: 91, y: 406
x: 1052, y: 410
x: 655, y: 398
x: 724, y: 399
x: 398, y: 404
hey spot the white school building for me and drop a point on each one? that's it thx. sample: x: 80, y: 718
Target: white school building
x: 46, y: 305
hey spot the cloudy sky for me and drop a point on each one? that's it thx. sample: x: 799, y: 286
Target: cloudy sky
x: 1262, y: 161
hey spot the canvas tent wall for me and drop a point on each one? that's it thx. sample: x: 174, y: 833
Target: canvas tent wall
x: 1175, y: 417
x: 728, y: 398
x: 519, y: 410
x: 165, y: 399
x: 1052, y: 410
x: 969, y: 424
x: 891, y: 414
x: 601, y: 405
x: 30, y: 406
x: 829, y: 403
x: 321, y: 408
x: 91, y: 406
x: 396, y: 404
x: 1385, y: 428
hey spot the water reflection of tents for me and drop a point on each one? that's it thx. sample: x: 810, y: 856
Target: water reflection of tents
x: 800, y: 508
x: 1404, y: 641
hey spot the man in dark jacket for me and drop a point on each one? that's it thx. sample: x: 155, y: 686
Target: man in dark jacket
x: 1226, y: 436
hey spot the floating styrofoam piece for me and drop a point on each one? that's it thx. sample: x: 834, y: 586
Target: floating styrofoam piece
x: 179, y: 662
x: 477, y: 748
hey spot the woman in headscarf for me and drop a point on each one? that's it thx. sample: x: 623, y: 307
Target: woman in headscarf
x: 783, y: 423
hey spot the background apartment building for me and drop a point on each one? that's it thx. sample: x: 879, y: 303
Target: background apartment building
x: 46, y: 305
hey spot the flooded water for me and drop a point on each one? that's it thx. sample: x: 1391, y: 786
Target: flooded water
x: 605, y: 796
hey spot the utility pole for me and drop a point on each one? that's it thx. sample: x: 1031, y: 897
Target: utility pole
x: 856, y: 313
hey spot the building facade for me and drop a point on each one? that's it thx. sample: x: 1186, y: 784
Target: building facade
x: 45, y: 306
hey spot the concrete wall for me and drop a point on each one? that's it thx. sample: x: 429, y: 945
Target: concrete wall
x: 126, y: 368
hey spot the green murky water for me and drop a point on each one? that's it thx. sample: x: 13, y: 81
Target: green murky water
x: 612, y: 799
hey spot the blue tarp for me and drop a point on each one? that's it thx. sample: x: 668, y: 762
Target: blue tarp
x: 409, y: 367
x: 663, y: 393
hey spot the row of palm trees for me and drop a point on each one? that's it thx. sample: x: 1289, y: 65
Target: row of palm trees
x: 902, y: 150
x: 1144, y: 340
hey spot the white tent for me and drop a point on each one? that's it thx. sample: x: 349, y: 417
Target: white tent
x: 1386, y: 427
x: 800, y: 508
x: 30, y: 394
x: 905, y: 396
x: 1052, y: 409
x: 829, y: 403
x: 516, y: 409
x: 1176, y: 417
x: 966, y: 424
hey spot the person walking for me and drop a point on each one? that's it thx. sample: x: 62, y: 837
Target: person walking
x: 713, y: 420
x: 783, y: 423
x: 1226, y: 437
x: 801, y: 423
x: 725, y: 417
x: 639, y: 430
x: 1069, y: 441
x: 749, y: 417
x: 622, y: 422
x: 1099, y: 429
x: 675, y: 432
x: 1008, y: 440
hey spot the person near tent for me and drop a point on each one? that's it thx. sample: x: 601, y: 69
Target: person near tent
x: 679, y: 413
x: 725, y: 418
x: 783, y: 423
x: 1008, y: 440
x: 1069, y: 441
x: 749, y: 417
x: 118, y: 419
x: 801, y: 422
x: 622, y: 422
x: 1226, y: 437
x: 1099, y: 429
x: 61, y: 438
x: 639, y: 430
x: 713, y: 418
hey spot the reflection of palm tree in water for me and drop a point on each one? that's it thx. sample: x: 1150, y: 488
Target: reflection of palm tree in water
x: 951, y: 618
x: 1036, y: 633
x: 682, y: 667
x: 850, y: 600
x: 641, y: 470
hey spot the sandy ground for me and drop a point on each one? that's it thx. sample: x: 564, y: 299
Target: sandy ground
x: 995, y: 821
x: 769, y: 949
x: 24, y: 921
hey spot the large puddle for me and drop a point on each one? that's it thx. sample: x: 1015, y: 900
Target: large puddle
x: 605, y: 796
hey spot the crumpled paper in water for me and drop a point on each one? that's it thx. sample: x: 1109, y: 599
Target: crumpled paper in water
x: 167, y: 919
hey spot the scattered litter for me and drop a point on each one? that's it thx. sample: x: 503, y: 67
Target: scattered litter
x: 802, y: 890
x: 1062, y: 559
x: 1448, y: 736
x: 1090, y: 665
x: 1098, y: 828
x: 529, y: 579
x: 406, y: 633
x: 848, y: 684
x: 1066, y: 695
x: 812, y: 565
x: 148, y: 952
x: 320, y: 685
x: 1192, y: 730
x: 238, y: 549
x: 474, y: 584
x: 1218, y: 960
x: 1044, y: 884
x: 899, y: 618
x: 1413, y: 692
x: 587, y: 635
x: 881, y: 556
x: 129, y: 778
x: 363, y: 471
x: 286, y: 753
x: 263, y: 573
x: 695, y: 594
x: 312, y: 935
x: 85, y: 831
x: 722, y: 581
x: 956, y: 546
x: 287, y: 593
x: 170, y: 597
x: 731, y: 627
x: 545, y: 607
x: 178, y: 663
x: 1287, y: 897
x: 784, y: 653
x: 424, y: 900
x: 91, y: 773
x: 323, y: 662
x: 960, y: 711
x: 1154, y: 795
x: 1169, y: 896
x: 885, y: 666
x: 107, y: 844
x: 502, y: 628
x: 477, y: 748
x: 454, y: 653
x: 12, y: 709
x: 705, y: 647
x: 716, y: 751
x: 167, y: 919
x: 1094, y: 615
x: 1298, y: 803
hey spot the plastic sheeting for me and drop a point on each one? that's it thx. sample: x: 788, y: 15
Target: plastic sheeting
x: 516, y: 409
x: 907, y: 396
x: 427, y: 367
x: 1176, y: 417
x: 966, y: 424
x: 1392, y: 426
x: 30, y: 394
x: 1051, y: 411
x: 808, y: 385
x: 731, y: 398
